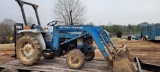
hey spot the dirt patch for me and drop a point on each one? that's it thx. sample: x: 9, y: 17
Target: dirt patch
x: 5, y: 58
x: 98, y: 55
x: 5, y: 55
x: 6, y: 46
x: 6, y: 52
x: 147, y: 51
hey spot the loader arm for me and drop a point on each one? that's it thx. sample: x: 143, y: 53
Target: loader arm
x: 98, y: 34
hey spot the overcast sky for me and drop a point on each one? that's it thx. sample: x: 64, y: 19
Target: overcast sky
x: 97, y: 11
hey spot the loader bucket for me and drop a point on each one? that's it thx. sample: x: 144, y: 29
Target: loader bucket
x: 123, y: 52
x: 123, y: 61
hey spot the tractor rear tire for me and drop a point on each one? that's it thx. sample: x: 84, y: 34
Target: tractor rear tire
x: 28, y: 50
x: 75, y: 59
x: 89, y: 55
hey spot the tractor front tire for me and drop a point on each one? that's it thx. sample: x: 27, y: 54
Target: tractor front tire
x: 89, y: 55
x: 75, y: 59
x: 28, y: 50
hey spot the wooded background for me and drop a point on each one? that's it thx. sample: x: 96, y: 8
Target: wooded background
x: 6, y: 30
x: 7, y: 25
x: 124, y: 29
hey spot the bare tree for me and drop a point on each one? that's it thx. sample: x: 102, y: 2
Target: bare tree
x: 30, y: 21
x: 62, y: 10
x: 6, y: 30
x: 6, y: 27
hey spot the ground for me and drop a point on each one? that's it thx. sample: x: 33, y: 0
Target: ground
x: 147, y: 51
x: 6, y: 51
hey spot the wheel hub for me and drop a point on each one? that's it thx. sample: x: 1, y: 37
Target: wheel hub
x: 74, y: 60
x: 28, y: 50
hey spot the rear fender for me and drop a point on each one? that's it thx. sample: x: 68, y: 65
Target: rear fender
x: 37, y: 34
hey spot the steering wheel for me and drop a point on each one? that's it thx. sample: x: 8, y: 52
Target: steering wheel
x: 52, y: 23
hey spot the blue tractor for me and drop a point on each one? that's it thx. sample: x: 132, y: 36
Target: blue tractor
x: 74, y: 40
